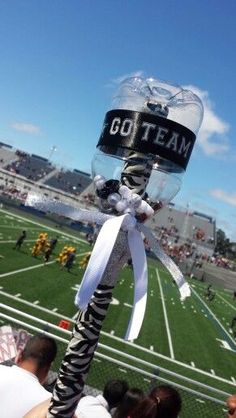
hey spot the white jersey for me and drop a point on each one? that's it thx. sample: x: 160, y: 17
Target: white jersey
x: 20, y: 390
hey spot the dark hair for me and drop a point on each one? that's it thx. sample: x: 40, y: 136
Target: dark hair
x: 41, y: 348
x: 163, y: 402
x: 146, y: 408
x: 130, y: 400
x: 168, y: 399
x: 114, y: 392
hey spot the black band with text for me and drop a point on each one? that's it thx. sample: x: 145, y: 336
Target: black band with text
x: 148, y: 134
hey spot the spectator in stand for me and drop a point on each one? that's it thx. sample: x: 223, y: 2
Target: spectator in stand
x: 90, y: 406
x: 100, y: 406
x: 163, y: 402
x: 21, y: 385
x: 132, y: 397
x: 20, y: 241
x: 231, y: 405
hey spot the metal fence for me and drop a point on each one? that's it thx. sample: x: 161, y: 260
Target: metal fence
x: 198, y: 399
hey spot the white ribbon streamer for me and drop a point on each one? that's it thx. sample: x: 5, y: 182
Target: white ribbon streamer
x: 98, y: 261
x: 102, y: 250
x: 139, y: 261
x: 58, y: 208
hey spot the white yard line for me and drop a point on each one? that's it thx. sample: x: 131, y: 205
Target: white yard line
x: 233, y: 307
x: 9, y: 241
x: 31, y: 304
x: 43, y: 226
x: 165, y: 316
x: 18, y: 227
x: 25, y: 269
x: 214, y: 317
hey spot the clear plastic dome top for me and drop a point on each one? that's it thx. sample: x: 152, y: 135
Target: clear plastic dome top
x: 150, y: 94
x: 148, y: 136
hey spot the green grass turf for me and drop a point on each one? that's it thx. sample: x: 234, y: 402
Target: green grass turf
x: 194, y: 330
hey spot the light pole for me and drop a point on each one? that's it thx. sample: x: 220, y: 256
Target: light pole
x: 52, y: 150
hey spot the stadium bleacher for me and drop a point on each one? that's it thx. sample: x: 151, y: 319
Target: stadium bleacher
x: 30, y: 166
x: 7, y: 155
x: 39, y: 169
x: 73, y: 182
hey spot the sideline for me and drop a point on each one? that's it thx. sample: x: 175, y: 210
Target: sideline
x: 165, y: 316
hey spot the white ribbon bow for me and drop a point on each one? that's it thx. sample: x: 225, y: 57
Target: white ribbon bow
x: 102, y: 251
x: 98, y: 262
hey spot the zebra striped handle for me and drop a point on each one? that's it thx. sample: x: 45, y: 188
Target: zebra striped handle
x: 79, y: 354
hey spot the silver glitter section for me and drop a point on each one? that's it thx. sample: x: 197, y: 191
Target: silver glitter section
x: 119, y: 256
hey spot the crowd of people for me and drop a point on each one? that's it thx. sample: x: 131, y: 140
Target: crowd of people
x: 120, y: 401
x: 23, y: 393
x: 197, y: 234
x: 10, y: 191
x: 182, y: 251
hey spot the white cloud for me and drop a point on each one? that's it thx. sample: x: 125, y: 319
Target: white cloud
x: 212, y: 135
x: 220, y: 194
x: 28, y: 128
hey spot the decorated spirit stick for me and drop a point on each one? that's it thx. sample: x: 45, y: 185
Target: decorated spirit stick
x: 144, y: 149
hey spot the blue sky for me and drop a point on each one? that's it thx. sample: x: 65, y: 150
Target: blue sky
x: 61, y: 60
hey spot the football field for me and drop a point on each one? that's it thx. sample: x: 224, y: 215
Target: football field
x: 191, y: 338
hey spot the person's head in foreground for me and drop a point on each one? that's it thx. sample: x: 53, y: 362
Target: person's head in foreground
x: 163, y: 402
x: 37, y: 356
x: 231, y: 406
x: 114, y: 392
x: 130, y: 400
